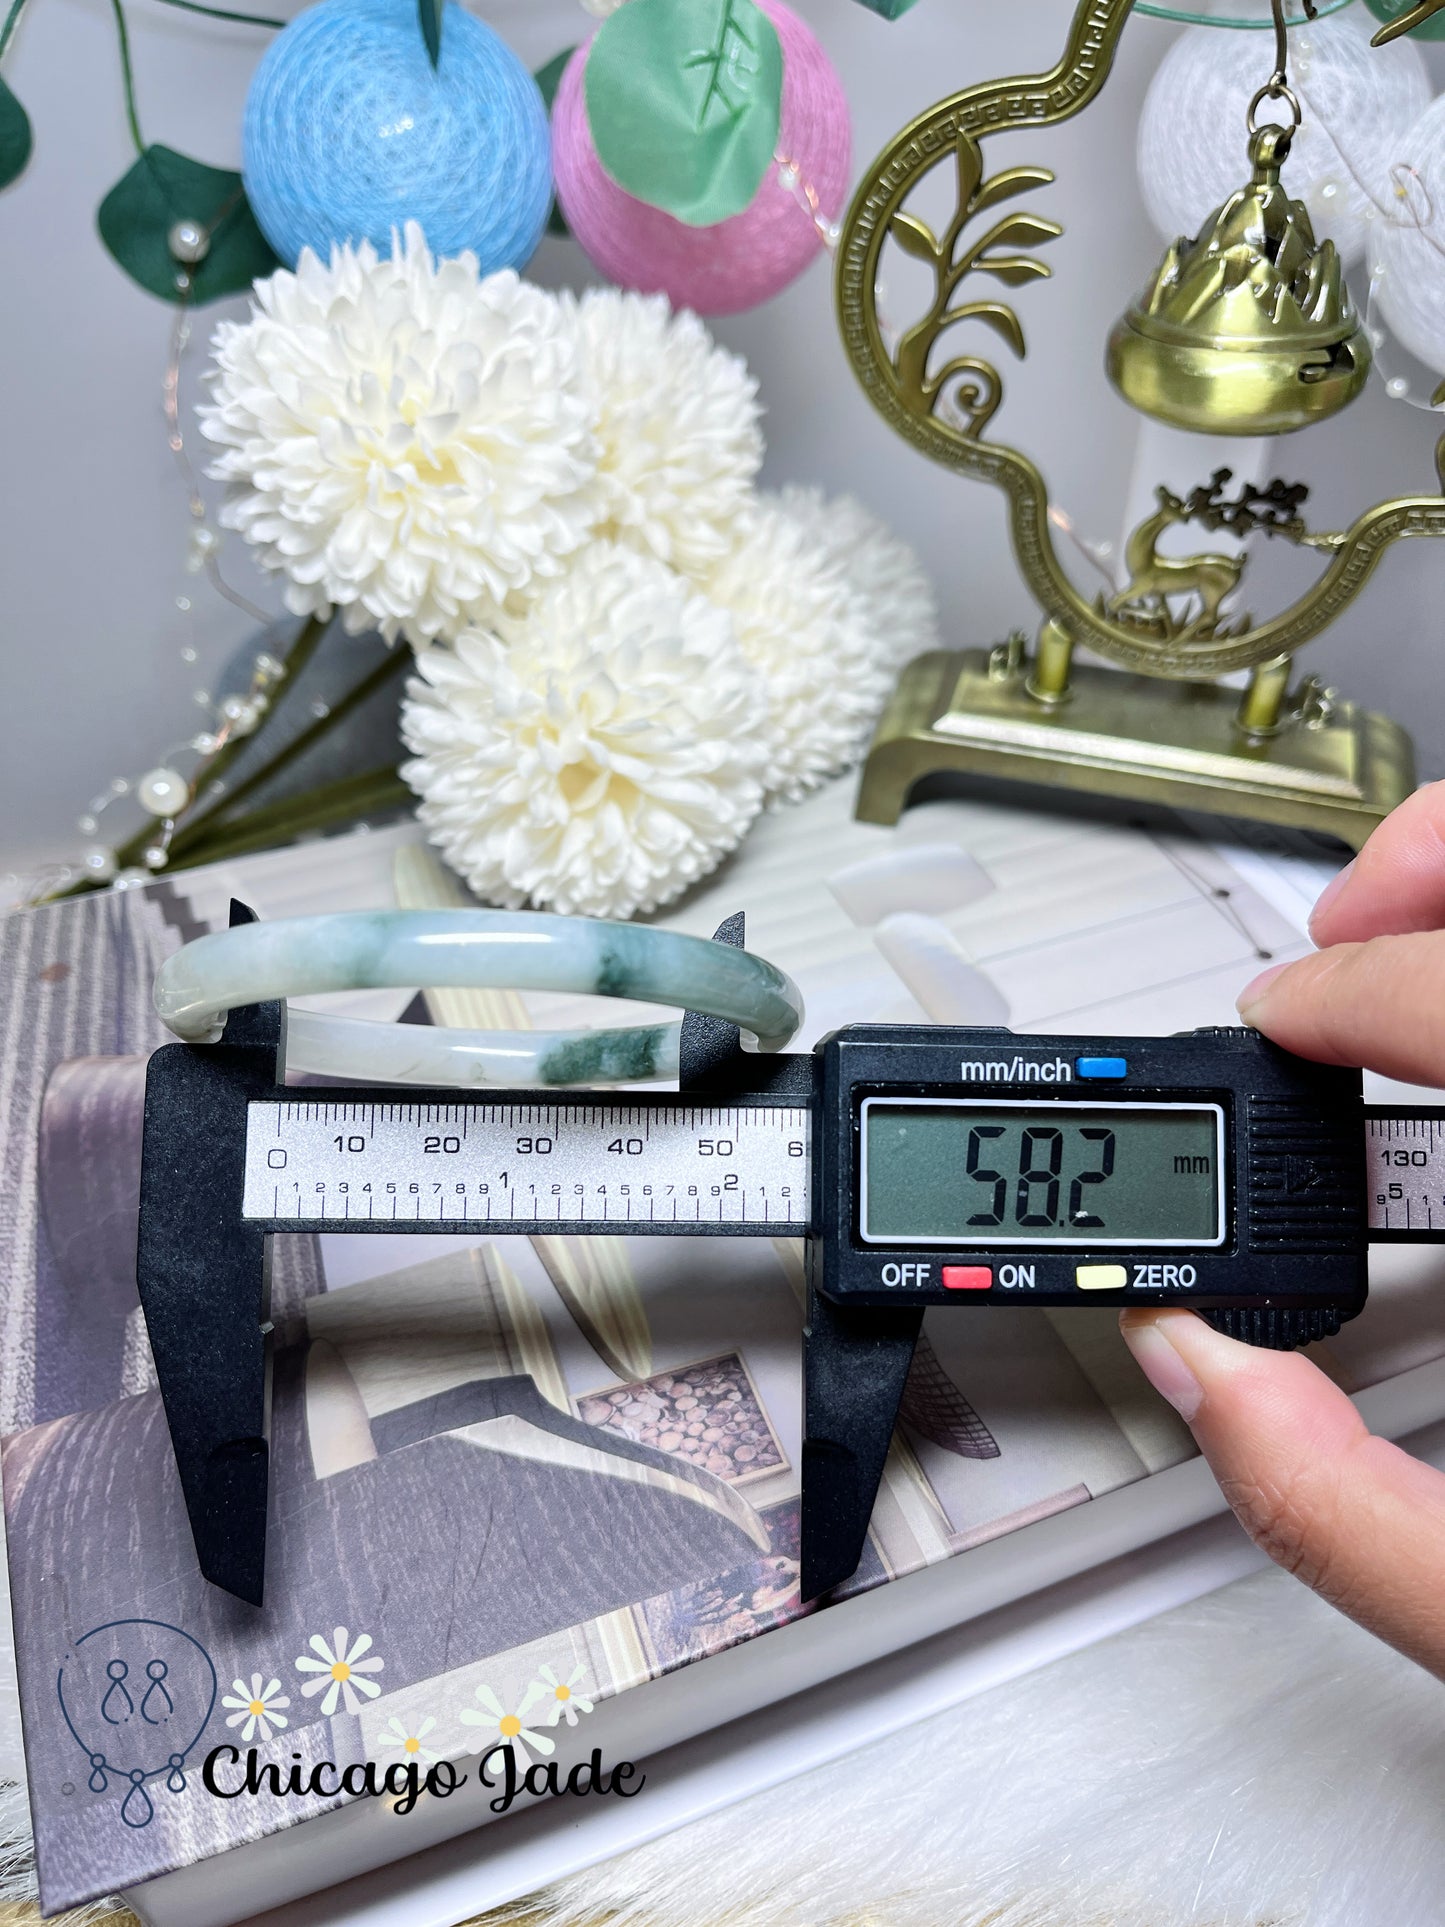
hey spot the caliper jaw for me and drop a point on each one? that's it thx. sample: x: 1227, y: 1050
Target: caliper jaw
x: 202, y: 1276
x: 855, y: 1365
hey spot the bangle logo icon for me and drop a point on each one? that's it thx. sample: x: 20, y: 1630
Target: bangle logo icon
x: 137, y: 1695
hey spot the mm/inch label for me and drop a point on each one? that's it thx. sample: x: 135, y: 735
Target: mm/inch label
x: 1405, y: 1173
x: 522, y: 1166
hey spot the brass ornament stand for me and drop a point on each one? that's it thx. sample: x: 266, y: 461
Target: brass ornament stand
x: 1195, y: 351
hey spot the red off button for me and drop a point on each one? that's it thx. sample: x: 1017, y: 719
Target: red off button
x: 967, y: 1277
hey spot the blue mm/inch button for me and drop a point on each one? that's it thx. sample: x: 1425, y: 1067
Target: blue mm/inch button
x: 1102, y: 1066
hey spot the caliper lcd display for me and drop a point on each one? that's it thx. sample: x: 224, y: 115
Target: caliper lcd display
x: 991, y: 1172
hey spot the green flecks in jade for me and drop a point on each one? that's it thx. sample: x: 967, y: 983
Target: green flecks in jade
x: 611, y: 1056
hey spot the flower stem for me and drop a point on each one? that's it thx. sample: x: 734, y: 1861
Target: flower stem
x: 308, y: 640
x: 129, y: 853
x: 226, y: 806
x: 12, y: 20
x: 127, y: 76
x: 225, y: 13
x: 320, y: 809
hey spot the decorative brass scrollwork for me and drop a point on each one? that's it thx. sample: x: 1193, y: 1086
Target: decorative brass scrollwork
x: 944, y: 401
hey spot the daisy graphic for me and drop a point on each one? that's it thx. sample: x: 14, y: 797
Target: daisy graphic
x: 409, y: 1739
x: 506, y: 1728
x: 567, y: 1702
x: 258, y: 1706
x: 339, y: 1666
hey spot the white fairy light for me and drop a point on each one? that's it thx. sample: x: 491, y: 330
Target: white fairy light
x: 1407, y: 253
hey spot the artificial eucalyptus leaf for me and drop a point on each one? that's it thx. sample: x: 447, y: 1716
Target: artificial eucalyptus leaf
x: 890, y: 9
x: 549, y: 79
x: 16, y: 139
x: 684, y: 98
x: 430, y: 14
x: 164, y: 187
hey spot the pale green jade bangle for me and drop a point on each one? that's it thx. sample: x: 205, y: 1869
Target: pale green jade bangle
x: 474, y: 950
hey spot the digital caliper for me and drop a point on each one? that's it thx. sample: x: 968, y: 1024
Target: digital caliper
x: 924, y: 1166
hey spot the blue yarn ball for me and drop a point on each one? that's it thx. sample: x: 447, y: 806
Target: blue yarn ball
x: 350, y: 132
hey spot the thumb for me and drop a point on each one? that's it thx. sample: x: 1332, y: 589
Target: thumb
x: 1351, y: 1515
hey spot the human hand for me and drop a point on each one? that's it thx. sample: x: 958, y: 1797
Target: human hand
x: 1353, y: 1516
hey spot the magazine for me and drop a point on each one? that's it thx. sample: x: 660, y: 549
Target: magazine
x: 518, y: 1482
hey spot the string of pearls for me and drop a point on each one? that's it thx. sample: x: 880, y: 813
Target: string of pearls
x: 163, y: 793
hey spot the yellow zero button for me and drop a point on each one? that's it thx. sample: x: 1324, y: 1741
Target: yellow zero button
x: 1101, y: 1277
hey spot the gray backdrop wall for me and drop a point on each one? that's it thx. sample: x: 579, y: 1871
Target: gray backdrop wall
x: 93, y: 531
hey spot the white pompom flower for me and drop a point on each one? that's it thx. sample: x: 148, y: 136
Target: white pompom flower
x: 677, y: 425
x: 404, y: 440
x: 802, y: 627
x: 897, y: 593
x: 597, y: 754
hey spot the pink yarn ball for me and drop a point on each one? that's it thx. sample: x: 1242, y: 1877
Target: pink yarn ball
x: 742, y: 261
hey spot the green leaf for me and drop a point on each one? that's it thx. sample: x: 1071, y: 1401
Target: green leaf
x: 164, y: 187
x: 429, y: 12
x: 684, y: 99
x: 915, y: 237
x: 549, y: 79
x: 890, y: 9
x: 16, y: 139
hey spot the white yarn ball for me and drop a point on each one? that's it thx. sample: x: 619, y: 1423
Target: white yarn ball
x: 596, y: 755
x: 1358, y: 103
x: 1407, y: 254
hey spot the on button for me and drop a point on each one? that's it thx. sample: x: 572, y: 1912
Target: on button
x: 967, y: 1277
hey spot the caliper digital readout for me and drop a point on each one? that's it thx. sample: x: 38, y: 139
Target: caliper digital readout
x: 980, y: 1171
x: 1210, y: 1169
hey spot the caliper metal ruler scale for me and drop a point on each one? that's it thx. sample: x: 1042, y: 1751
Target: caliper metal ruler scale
x: 924, y: 1167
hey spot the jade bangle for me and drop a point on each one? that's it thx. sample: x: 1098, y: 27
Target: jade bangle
x: 473, y: 949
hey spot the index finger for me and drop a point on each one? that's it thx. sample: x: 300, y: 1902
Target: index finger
x: 1376, y: 1004
x: 1397, y: 882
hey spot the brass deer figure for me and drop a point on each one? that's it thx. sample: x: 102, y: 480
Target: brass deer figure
x: 1207, y: 578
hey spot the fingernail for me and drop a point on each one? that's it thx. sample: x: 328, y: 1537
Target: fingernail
x: 1146, y: 1336
x: 1253, y: 992
x: 1331, y: 890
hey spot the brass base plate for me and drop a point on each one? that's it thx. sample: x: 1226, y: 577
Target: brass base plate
x: 1136, y: 737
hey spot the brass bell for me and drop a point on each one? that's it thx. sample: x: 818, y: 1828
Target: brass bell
x: 1248, y: 329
